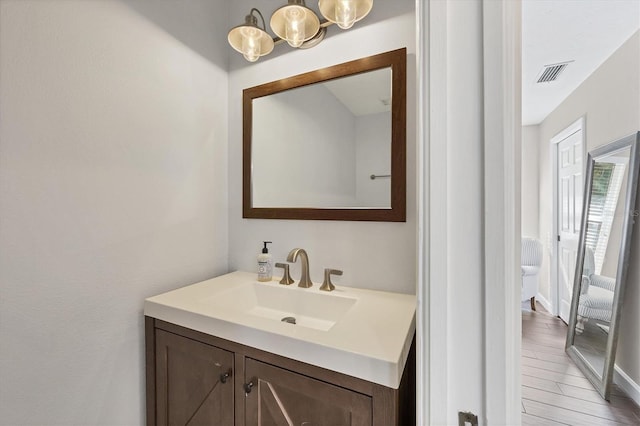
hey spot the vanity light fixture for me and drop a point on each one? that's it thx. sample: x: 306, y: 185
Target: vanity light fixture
x: 345, y: 13
x: 249, y: 39
x: 296, y: 24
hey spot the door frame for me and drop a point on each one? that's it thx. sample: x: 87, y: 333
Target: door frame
x: 502, y: 52
x: 431, y: 134
x: 500, y: 385
x: 554, y: 290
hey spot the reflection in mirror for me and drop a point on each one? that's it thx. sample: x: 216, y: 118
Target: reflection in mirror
x: 605, y: 216
x: 328, y: 144
x: 603, y: 253
x: 317, y: 146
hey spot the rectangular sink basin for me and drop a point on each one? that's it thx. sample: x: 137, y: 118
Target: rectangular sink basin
x: 309, y: 308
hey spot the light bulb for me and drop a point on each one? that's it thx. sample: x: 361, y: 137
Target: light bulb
x: 345, y: 13
x: 294, y: 29
x: 251, y: 43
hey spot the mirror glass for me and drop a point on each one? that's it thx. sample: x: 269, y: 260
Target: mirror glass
x: 604, y: 228
x: 329, y: 144
x: 318, y: 145
x: 603, y: 252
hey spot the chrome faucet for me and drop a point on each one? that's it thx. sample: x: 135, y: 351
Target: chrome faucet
x: 305, y: 279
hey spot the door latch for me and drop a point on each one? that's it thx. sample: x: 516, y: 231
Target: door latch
x: 467, y: 418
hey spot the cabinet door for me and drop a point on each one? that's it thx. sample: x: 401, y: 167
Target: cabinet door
x: 281, y: 397
x: 190, y: 385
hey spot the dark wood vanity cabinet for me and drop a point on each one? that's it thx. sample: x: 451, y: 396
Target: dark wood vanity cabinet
x: 197, y: 379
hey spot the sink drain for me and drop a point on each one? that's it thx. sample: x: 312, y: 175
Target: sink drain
x: 290, y: 320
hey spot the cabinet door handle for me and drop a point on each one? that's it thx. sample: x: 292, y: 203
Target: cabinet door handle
x: 225, y: 376
x: 248, y: 387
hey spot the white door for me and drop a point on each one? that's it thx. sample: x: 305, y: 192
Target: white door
x: 569, y: 163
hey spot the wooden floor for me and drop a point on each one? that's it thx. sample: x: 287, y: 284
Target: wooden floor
x: 554, y: 391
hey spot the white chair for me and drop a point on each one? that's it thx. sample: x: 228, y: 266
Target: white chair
x: 531, y: 260
x: 596, y: 294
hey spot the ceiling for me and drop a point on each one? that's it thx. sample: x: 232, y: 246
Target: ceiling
x: 585, y: 32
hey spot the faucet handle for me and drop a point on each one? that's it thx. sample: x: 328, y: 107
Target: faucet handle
x: 327, y: 285
x: 286, y: 278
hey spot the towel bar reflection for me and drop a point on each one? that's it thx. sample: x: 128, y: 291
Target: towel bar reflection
x: 373, y: 177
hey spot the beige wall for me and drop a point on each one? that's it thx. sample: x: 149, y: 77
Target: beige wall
x: 530, y: 191
x: 610, y: 102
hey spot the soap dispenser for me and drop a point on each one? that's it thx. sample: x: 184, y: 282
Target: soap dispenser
x: 265, y: 266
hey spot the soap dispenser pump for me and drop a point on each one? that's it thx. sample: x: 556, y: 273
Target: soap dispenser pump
x: 265, y: 266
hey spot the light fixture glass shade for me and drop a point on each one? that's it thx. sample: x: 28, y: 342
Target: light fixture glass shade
x: 250, y: 40
x: 345, y: 13
x: 295, y: 23
x: 251, y: 47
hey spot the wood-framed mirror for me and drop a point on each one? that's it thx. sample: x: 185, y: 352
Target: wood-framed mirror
x: 604, y: 247
x: 329, y: 144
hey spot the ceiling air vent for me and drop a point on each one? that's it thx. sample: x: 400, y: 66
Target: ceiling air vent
x: 551, y: 72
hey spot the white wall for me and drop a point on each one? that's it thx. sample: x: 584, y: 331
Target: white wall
x: 113, y: 188
x: 610, y: 101
x: 530, y: 191
x: 376, y: 255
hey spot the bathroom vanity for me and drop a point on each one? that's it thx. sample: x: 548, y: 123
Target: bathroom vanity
x: 218, y: 352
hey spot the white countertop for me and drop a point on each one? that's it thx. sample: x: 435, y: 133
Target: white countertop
x: 371, y: 340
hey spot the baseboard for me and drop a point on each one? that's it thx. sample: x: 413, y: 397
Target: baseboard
x: 624, y: 382
x: 544, y: 302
